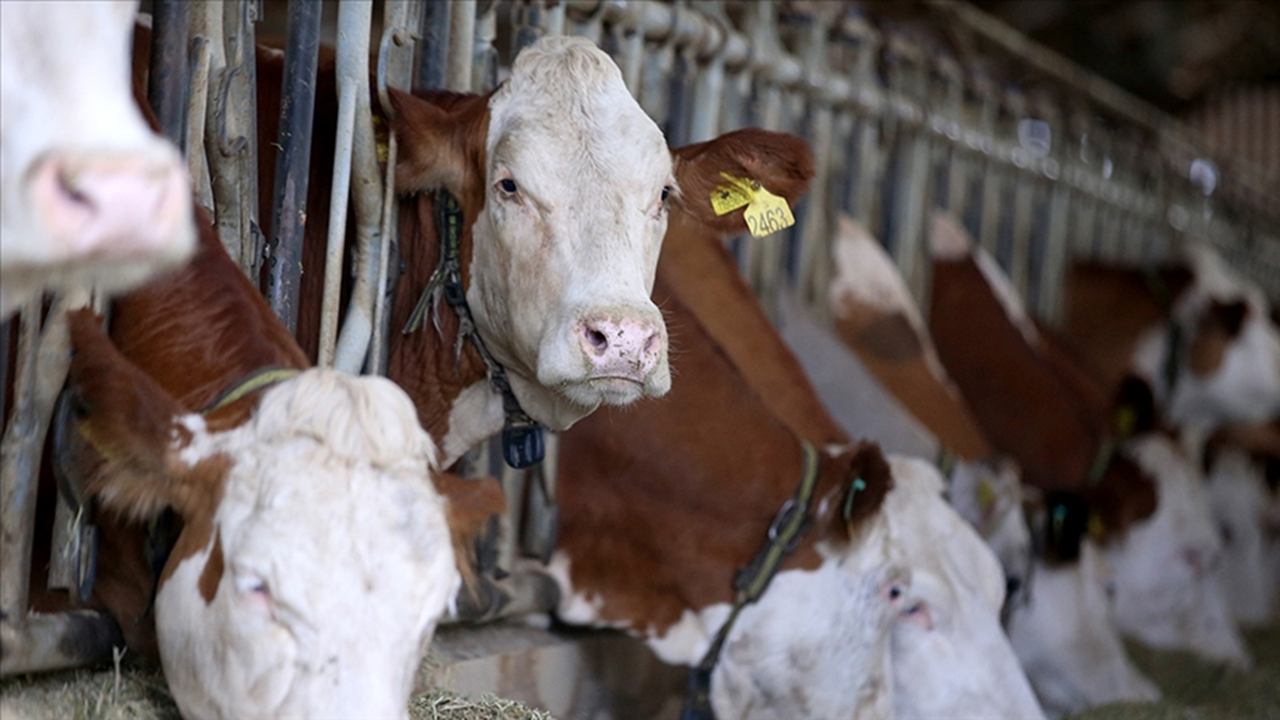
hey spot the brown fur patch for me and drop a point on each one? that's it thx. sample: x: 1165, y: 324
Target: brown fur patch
x: 470, y: 505
x: 889, y: 338
x: 868, y: 465
x: 781, y: 163
x: 1217, y: 328
x: 211, y: 576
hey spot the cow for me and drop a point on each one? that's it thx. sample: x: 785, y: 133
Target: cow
x: 1164, y: 593
x: 639, y: 476
x: 1025, y: 401
x: 1072, y: 654
x: 89, y: 195
x: 1240, y: 500
x: 893, y: 389
x: 662, y: 502
x: 1055, y: 612
x: 315, y: 556
x: 563, y: 185
x: 1199, y: 334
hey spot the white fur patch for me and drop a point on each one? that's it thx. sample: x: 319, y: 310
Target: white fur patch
x: 337, y: 559
x: 474, y: 416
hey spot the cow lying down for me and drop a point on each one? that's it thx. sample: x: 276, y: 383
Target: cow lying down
x: 90, y: 195
x: 315, y: 555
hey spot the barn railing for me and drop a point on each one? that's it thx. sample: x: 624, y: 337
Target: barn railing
x: 1043, y: 161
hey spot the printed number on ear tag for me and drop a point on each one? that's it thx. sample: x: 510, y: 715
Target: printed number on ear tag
x: 766, y: 213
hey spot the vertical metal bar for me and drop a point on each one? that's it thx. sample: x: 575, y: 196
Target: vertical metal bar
x: 484, y: 67
x: 462, y: 31
x: 43, y: 358
x: 289, y: 208
x: 433, y: 51
x: 167, y: 84
x: 397, y: 50
x: 355, y: 20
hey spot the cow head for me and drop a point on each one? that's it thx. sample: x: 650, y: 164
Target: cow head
x: 565, y: 182
x: 314, y: 560
x: 89, y: 194
x: 1166, y: 594
x: 1065, y: 641
x: 950, y: 655
x: 1227, y: 356
x: 989, y: 497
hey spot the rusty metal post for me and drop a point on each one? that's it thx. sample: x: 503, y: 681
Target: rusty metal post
x: 289, y: 204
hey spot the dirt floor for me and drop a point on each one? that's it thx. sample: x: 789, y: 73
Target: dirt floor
x: 1193, y: 690
x: 1197, y: 690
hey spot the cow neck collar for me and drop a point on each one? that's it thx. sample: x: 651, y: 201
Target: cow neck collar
x: 259, y: 379
x: 752, y: 579
x: 522, y: 439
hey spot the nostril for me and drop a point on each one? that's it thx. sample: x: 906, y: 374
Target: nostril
x: 70, y: 191
x: 596, y: 339
x: 1194, y: 558
x: 653, y: 344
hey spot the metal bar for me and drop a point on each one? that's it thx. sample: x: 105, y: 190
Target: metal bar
x: 232, y: 136
x: 462, y: 33
x: 43, y: 358
x: 167, y: 83
x: 433, y: 51
x: 355, y: 22
x: 398, y: 49
x: 52, y: 642
x: 201, y: 55
x: 289, y: 208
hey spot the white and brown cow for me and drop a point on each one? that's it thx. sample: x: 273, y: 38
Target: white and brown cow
x: 315, y: 554
x: 665, y: 500
x: 564, y: 185
x: 89, y: 195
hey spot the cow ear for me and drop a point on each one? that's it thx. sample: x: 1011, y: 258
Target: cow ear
x: 780, y: 163
x: 472, y: 508
x: 1228, y: 317
x: 132, y: 424
x: 436, y: 137
x: 866, y: 483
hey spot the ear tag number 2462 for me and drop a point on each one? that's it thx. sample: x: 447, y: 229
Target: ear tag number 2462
x: 766, y: 213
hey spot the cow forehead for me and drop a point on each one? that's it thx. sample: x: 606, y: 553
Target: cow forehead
x: 566, y: 110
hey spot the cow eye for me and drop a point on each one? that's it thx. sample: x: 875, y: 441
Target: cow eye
x: 666, y: 192
x: 508, y: 186
x: 251, y: 584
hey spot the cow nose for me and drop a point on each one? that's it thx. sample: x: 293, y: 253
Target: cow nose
x: 1195, y: 558
x: 622, y: 347
x: 128, y: 205
x: 1012, y: 584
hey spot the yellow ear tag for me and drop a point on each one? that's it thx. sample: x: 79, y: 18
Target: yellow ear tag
x: 986, y: 496
x: 1126, y: 419
x: 766, y: 213
x: 1097, y: 531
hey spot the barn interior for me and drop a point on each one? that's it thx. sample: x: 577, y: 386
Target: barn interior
x: 1114, y: 131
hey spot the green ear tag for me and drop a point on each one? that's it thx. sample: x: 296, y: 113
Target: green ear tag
x: 858, y: 484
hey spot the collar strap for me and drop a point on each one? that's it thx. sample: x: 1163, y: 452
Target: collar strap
x: 522, y: 441
x: 752, y: 579
x: 1173, y: 329
x: 251, y: 383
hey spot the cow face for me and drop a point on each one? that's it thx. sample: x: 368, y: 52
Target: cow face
x: 314, y: 559
x: 1166, y: 595
x: 950, y: 655
x: 88, y: 194
x: 1065, y: 641
x: 990, y: 499
x: 1228, y: 359
x: 570, y: 204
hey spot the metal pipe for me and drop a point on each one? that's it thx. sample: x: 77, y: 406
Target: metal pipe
x: 43, y: 358
x: 398, y: 46
x: 433, y: 51
x: 167, y: 84
x: 41, y: 642
x: 289, y: 208
x: 462, y: 32
x: 355, y: 22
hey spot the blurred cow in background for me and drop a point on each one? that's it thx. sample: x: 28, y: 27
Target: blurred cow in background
x: 89, y: 195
